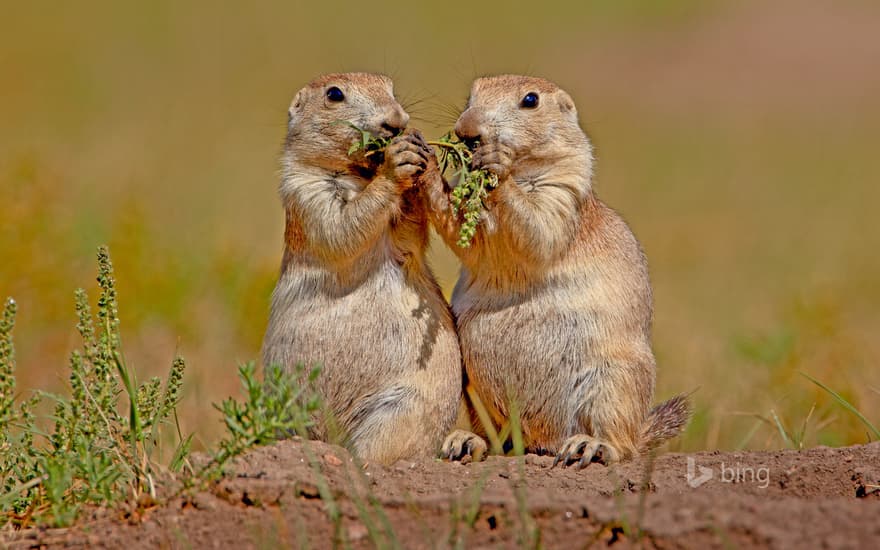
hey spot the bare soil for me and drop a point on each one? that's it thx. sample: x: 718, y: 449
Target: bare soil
x: 816, y: 498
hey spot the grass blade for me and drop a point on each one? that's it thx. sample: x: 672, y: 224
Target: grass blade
x: 180, y: 454
x: 488, y: 426
x: 782, y: 431
x: 846, y: 405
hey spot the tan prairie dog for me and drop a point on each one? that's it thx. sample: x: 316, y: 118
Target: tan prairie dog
x: 553, y: 306
x: 355, y: 294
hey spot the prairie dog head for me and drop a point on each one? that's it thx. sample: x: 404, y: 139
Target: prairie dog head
x: 532, y: 117
x: 319, y: 131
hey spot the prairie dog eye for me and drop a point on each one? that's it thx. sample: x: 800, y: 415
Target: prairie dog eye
x: 335, y: 94
x: 529, y: 101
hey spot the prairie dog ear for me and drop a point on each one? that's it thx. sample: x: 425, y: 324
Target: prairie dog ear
x: 296, y: 108
x: 566, y: 104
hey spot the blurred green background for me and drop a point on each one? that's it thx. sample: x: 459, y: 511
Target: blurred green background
x: 739, y: 139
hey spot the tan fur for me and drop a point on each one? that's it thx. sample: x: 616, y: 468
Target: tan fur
x: 553, y: 306
x: 355, y: 294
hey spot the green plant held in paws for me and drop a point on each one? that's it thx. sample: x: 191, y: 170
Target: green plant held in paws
x: 472, y: 188
x: 94, y: 454
x: 452, y: 155
x: 367, y: 142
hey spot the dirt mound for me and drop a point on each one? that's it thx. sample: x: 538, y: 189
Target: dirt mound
x: 820, y: 497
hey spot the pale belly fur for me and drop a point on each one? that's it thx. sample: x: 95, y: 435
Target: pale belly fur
x: 544, y: 349
x: 376, y: 335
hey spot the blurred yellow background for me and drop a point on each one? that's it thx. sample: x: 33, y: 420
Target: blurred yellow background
x: 739, y: 139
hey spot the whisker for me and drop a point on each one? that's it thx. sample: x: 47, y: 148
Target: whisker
x: 443, y: 114
x: 417, y: 101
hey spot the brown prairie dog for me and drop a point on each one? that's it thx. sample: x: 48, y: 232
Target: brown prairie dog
x: 553, y: 306
x: 355, y: 294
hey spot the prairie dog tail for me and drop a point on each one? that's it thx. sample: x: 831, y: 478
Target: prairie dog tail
x: 666, y: 421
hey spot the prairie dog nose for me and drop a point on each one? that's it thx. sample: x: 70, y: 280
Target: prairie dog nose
x: 468, y: 127
x: 395, y: 121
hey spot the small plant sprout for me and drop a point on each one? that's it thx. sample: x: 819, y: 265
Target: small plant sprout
x: 277, y: 406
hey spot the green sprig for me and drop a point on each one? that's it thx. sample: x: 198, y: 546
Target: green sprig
x: 469, y: 194
x: 473, y: 186
x: 367, y: 142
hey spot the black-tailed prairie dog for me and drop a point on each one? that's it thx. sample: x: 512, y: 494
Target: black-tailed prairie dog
x: 553, y: 306
x: 355, y: 294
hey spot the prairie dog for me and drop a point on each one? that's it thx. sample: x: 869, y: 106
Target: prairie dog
x: 355, y: 294
x: 553, y: 306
